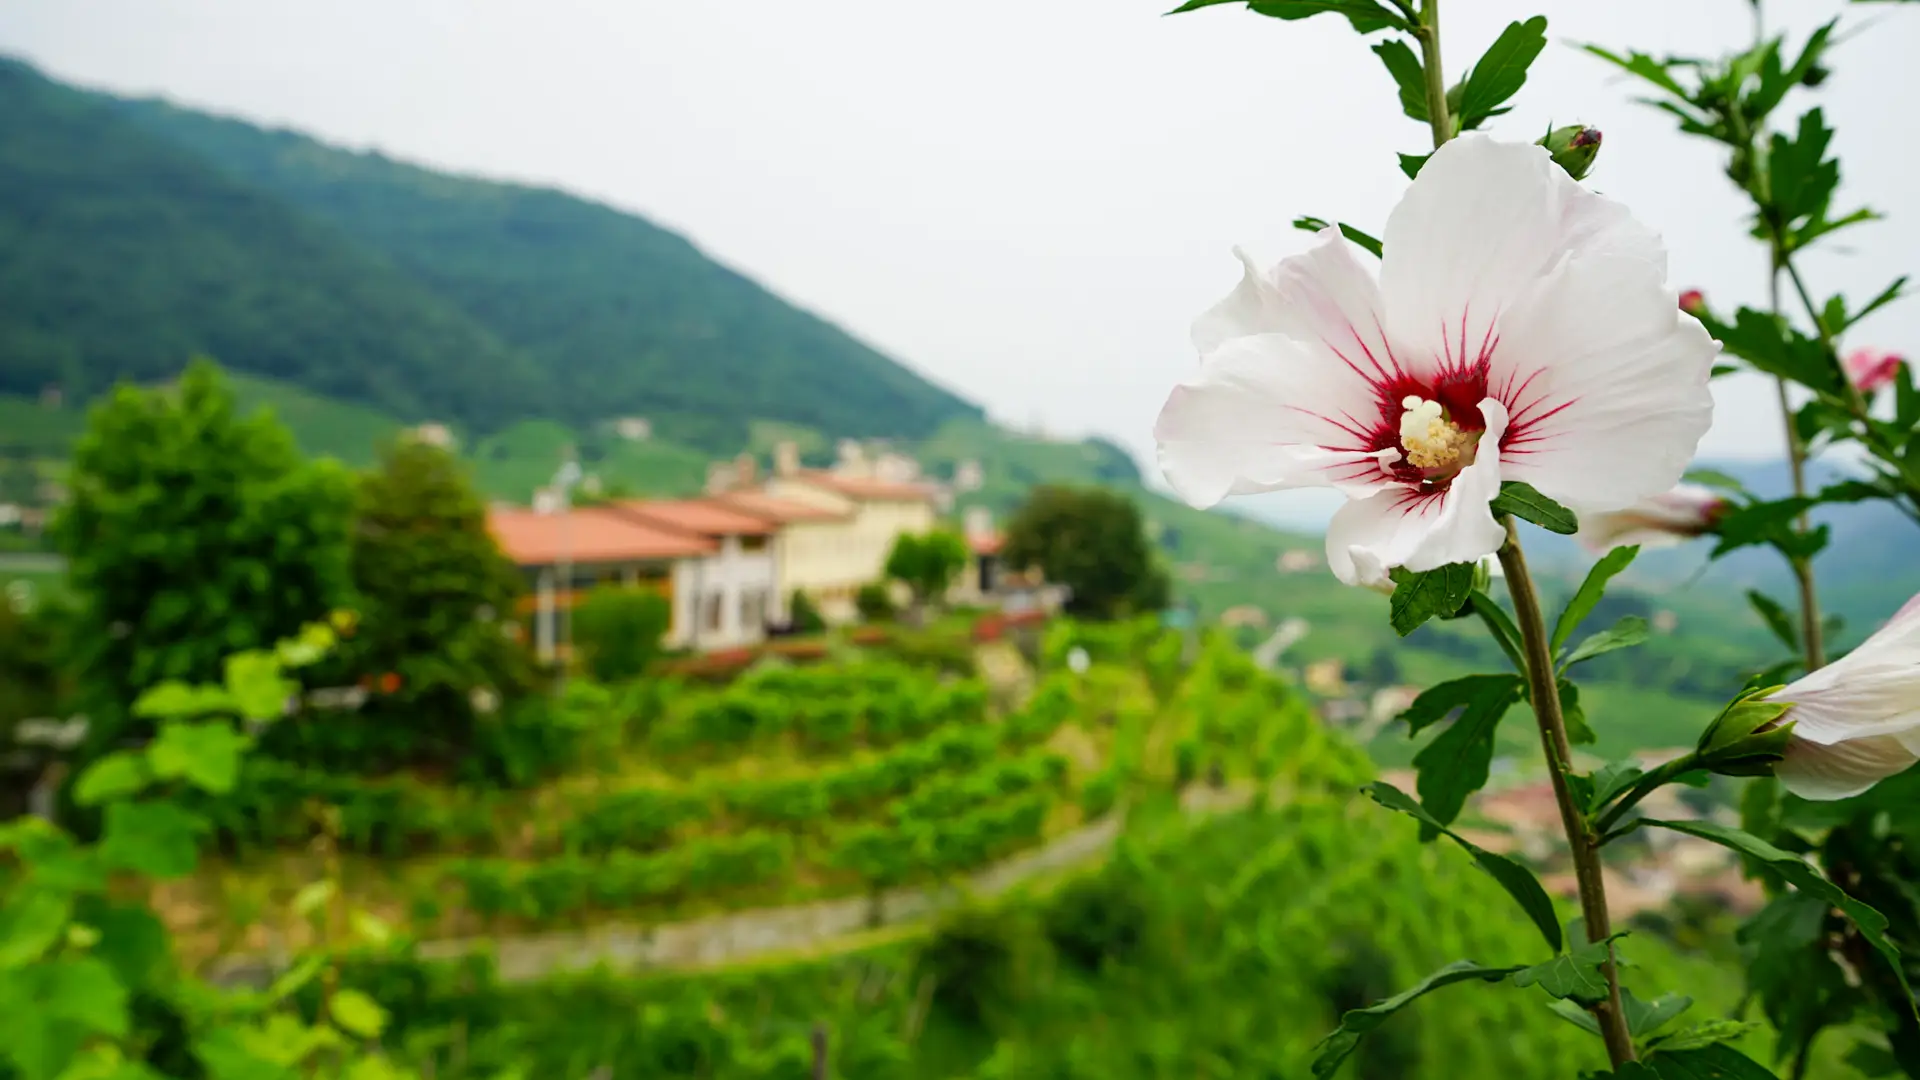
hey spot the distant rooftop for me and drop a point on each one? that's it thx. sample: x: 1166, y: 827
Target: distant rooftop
x: 706, y: 517
x: 588, y: 535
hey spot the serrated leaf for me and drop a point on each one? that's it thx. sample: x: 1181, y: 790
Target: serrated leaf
x: 116, y: 776
x: 1521, y: 500
x: 1418, y: 597
x: 1455, y: 764
x: 1631, y: 630
x: 1646, y: 1017
x: 157, y: 839
x: 357, y: 1014
x: 1575, y: 974
x: 1776, y: 618
x: 204, y: 753
x: 1437, y: 702
x: 1334, y: 1049
x: 1407, y: 74
x: 1502, y: 70
x: 1716, y: 1062
x: 1612, y: 779
x: 1591, y: 590
x: 1871, y: 924
x: 1513, y: 877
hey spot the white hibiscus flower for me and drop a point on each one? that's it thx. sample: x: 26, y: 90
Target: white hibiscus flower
x: 1521, y: 329
x: 1857, y: 720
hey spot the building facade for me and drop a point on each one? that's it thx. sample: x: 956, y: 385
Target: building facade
x: 731, y: 592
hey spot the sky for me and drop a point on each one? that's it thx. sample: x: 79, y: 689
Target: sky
x: 1027, y: 200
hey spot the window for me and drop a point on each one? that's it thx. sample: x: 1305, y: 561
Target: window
x: 753, y: 543
x: 753, y: 609
x: 711, y: 611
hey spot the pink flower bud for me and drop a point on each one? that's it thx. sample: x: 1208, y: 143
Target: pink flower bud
x: 1854, y: 721
x: 1687, y: 511
x: 1869, y: 369
x: 1693, y: 302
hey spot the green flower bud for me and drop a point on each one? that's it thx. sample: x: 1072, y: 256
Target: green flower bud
x: 1573, y: 148
x: 1747, y: 738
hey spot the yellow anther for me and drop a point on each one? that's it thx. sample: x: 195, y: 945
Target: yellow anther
x: 1431, y: 440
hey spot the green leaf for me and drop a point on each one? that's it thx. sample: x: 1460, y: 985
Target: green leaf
x: 1590, y: 592
x: 204, y: 753
x: 358, y: 1014
x: 1407, y: 73
x: 176, y: 700
x: 1513, y: 877
x: 32, y: 921
x: 1887, y: 296
x: 1501, y: 72
x: 132, y: 940
x: 1631, y: 630
x: 1333, y: 1049
x: 1454, y: 765
x: 115, y: 776
x: 1575, y: 974
x: 1646, y: 1017
x: 1367, y: 16
x: 1611, y: 780
x: 1500, y: 625
x: 1438, y: 702
x: 1418, y: 597
x: 1776, y: 618
x: 1704, y: 1034
x: 1714, y: 478
x: 1647, y: 67
x: 258, y: 687
x: 1196, y: 5
x: 297, y: 976
x: 1314, y: 225
x: 85, y: 991
x: 313, y: 896
x: 1519, y: 498
x: 157, y: 839
x: 1716, y: 1062
x: 1574, y: 717
x: 1766, y: 341
x: 1411, y: 164
x: 1871, y: 924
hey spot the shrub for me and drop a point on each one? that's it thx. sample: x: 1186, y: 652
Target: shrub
x: 805, y: 617
x: 618, y: 629
x: 874, y: 602
x: 639, y: 819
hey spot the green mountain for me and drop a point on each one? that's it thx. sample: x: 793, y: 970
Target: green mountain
x: 134, y: 234
x: 122, y: 255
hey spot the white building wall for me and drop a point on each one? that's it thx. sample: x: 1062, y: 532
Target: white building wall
x: 734, y: 584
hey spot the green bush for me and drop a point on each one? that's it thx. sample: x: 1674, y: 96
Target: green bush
x: 874, y: 602
x: 618, y: 629
x: 638, y: 819
x: 804, y: 616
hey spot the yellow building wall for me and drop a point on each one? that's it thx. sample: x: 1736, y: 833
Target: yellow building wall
x: 830, y: 560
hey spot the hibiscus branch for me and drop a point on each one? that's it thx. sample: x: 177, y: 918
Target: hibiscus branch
x: 1428, y: 31
x: 1581, y: 840
x: 1811, y: 638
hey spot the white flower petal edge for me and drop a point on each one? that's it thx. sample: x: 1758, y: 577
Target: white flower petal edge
x: 1857, y: 720
x: 1505, y: 283
x: 1688, y: 511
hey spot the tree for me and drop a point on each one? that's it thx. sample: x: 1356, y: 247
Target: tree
x: 618, y: 630
x: 926, y: 563
x: 873, y: 602
x: 433, y: 592
x: 192, y: 533
x: 1093, y: 542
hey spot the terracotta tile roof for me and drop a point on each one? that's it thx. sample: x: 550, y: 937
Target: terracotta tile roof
x: 986, y: 543
x: 778, y: 510
x: 591, y: 535
x: 704, y: 517
x: 868, y: 489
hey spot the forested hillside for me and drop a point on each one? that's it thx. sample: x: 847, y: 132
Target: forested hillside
x: 134, y: 234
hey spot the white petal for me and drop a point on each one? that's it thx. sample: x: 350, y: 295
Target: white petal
x: 1253, y: 307
x: 1873, y: 690
x: 1606, y: 382
x: 1399, y: 528
x: 1327, y: 296
x: 1266, y: 413
x: 1481, y: 224
x: 1842, y: 770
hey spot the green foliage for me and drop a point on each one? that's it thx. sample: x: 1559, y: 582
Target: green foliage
x: 1436, y: 593
x: 1522, y: 501
x: 804, y: 614
x: 1090, y: 541
x: 618, y: 630
x: 927, y: 564
x: 192, y: 533
x: 874, y: 602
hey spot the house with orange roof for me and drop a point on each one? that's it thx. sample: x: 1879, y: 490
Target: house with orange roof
x: 834, y: 556
x: 564, y: 554
x: 734, y: 589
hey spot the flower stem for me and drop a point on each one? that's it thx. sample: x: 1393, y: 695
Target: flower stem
x: 1428, y: 31
x: 1544, y: 692
x: 1811, y: 638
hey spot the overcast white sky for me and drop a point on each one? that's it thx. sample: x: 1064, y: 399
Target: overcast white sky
x: 1027, y: 199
